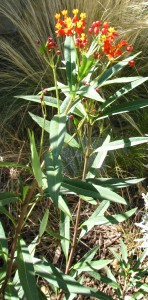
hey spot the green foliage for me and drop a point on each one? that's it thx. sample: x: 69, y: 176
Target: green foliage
x: 131, y: 271
x: 80, y: 108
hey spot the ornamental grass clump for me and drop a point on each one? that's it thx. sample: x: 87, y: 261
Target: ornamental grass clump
x: 90, y: 62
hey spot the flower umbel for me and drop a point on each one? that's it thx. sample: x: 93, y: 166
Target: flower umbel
x: 67, y: 26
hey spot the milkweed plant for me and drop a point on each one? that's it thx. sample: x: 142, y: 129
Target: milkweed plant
x: 91, y: 58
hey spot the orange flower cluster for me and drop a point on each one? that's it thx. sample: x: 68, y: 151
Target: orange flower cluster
x: 102, y: 33
x: 106, y: 39
x: 67, y: 26
x: 75, y: 26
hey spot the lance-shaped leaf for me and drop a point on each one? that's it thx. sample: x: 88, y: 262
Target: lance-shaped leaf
x: 98, y: 161
x: 113, y: 70
x: 114, y: 183
x: 7, y: 198
x: 124, y: 143
x: 123, y: 108
x: 70, y: 60
x: 89, y: 92
x: 49, y: 101
x: 124, y: 90
x: 3, y: 243
x: 89, y: 266
x: 65, y: 232
x: 62, y: 204
x: 35, y: 160
x: 15, y: 165
x: 108, y: 220
x: 65, y: 282
x: 43, y: 223
x: 84, y: 188
x: 123, y: 249
x: 104, y: 279
x: 54, y: 177
x: 46, y: 125
x: 26, y: 271
x: 121, y: 80
x: 100, y: 210
x: 57, y: 135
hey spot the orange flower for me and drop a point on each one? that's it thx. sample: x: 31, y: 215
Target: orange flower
x: 70, y: 26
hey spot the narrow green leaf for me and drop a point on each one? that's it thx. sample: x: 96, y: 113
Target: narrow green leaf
x: 138, y: 295
x: 57, y: 134
x: 108, y: 220
x: 113, y: 70
x: 70, y: 59
x: 124, y: 252
x: 18, y: 286
x: 11, y: 293
x: 49, y: 101
x: 56, y: 235
x: 89, y: 255
x: 89, y: 266
x: 3, y: 243
x: 79, y: 110
x: 7, y: 198
x: 84, y: 188
x: 142, y: 286
x: 98, y: 161
x: 35, y: 160
x: 124, y: 90
x: 101, y: 209
x: 6, y: 213
x: 65, y: 103
x: 89, y: 92
x: 54, y: 177
x: 125, y: 107
x: 43, y: 223
x: 68, y: 138
x: 62, y: 204
x: 15, y: 165
x: 90, y: 200
x: 26, y: 271
x: 65, y: 282
x: 119, y: 144
x: 140, y: 260
x: 116, y: 255
x: 104, y: 279
x: 110, y: 275
x: 129, y: 119
x: 114, y: 183
x: 121, y: 80
x: 65, y: 232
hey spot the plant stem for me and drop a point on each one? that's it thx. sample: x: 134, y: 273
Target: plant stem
x: 56, y: 88
x: 74, y: 242
x: 16, y: 235
x: 43, y: 128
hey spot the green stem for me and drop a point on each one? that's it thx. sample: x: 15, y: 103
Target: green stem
x: 56, y: 88
x: 85, y: 169
x: 74, y: 242
x: 43, y: 128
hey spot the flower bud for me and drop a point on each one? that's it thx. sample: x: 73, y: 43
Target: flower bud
x: 131, y: 63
